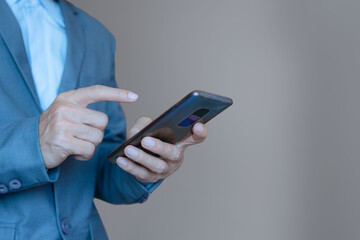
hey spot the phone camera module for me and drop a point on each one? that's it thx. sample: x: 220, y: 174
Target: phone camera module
x: 194, y: 117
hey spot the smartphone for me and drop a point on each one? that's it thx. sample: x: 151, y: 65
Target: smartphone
x: 176, y: 123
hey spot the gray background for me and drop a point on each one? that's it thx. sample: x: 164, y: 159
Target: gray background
x: 283, y: 162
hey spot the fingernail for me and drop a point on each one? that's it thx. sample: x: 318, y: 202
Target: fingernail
x: 131, y: 152
x: 132, y: 96
x: 149, y: 142
x: 121, y: 162
x: 200, y: 128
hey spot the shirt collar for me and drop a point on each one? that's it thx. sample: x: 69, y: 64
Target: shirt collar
x: 11, y: 2
x: 51, y: 6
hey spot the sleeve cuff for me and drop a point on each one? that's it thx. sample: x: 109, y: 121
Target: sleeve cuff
x: 38, y: 174
x: 149, y: 188
x: 22, y: 164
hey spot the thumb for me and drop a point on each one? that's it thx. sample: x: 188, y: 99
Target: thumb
x: 139, y: 125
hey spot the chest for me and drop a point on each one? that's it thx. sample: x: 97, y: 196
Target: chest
x: 16, y: 99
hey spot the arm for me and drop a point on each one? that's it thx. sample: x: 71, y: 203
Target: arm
x: 21, y: 162
x: 114, y: 185
x: 139, y: 170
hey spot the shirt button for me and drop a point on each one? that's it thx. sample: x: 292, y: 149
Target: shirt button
x: 65, y: 226
x: 3, y: 189
x: 15, y: 184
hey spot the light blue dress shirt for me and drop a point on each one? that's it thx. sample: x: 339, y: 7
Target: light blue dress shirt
x: 44, y: 33
x: 43, y: 30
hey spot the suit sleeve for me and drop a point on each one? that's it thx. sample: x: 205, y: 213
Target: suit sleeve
x: 114, y: 185
x: 21, y: 162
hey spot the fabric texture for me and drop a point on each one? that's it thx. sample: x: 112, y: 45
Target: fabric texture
x: 57, y: 204
x: 44, y: 34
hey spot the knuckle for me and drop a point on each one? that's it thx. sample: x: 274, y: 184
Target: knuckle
x: 98, y: 136
x: 176, y: 154
x: 143, y: 175
x: 141, y: 179
x: 91, y: 149
x: 90, y: 156
x: 96, y: 89
x: 88, y: 151
x: 155, y: 178
x: 61, y: 96
x: 60, y: 110
x: 130, y: 167
x: 162, y: 167
x: 59, y: 126
x: 63, y: 155
x: 103, y: 120
x: 60, y: 138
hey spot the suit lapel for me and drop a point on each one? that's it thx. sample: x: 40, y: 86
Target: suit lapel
x: 11, y: 33
x: 75, y: 48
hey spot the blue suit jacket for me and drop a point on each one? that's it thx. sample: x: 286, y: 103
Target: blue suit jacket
x: 54, y: 204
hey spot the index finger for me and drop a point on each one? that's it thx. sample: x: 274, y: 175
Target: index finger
x: 97, y: 93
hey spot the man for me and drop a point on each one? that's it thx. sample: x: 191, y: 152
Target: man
x: 47, y: 50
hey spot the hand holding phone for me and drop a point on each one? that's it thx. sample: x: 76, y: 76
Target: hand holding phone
x: 176, y: 123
